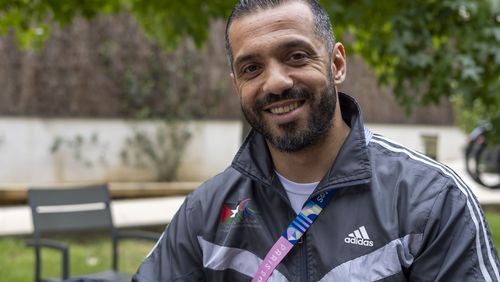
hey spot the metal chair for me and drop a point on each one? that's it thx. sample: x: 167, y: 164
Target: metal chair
x: 58, y: 210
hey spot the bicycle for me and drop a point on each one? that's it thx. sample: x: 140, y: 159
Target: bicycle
x: 482, y: 160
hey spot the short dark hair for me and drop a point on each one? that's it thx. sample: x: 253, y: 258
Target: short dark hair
x: 322, y: 24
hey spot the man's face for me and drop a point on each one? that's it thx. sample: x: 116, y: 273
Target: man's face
x: 283, y: 75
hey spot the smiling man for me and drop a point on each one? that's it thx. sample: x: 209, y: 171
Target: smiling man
x: 312, y: 195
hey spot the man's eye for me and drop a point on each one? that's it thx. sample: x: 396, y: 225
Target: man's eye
x: 250, y: 69
x: 297, y: 56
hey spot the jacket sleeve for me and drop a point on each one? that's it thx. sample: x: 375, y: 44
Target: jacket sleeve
x: 176, y: 256
x: 457, y: 244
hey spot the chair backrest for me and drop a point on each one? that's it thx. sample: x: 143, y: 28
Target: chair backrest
x: 70, y: 209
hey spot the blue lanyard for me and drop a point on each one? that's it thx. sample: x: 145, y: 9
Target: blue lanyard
x: 292, y: 234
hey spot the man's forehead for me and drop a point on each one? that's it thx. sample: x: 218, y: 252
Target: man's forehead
x: 283, y: 16
x: 247, y: 32
x: 296, y: 10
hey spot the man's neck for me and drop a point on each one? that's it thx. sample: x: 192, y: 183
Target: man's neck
x: 312, y: 163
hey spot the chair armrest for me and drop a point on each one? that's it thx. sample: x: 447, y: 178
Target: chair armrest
x: 138, y: 234
x: 48, y: 243
x: 56, y: 245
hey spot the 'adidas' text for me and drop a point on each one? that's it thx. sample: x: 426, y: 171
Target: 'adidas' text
x: 359, y: 237
x: 361, y: 242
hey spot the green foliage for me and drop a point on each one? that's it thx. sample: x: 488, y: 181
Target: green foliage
x: 425, y: 50
x: 29, y: 18
x: 429, y: 49
x: 168, y: 22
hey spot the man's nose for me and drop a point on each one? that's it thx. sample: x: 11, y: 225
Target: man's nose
x: 277, y: 79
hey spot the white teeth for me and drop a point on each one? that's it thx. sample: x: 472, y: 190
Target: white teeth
x: 285, y: 109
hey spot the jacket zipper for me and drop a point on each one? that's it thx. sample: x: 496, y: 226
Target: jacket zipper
x: 304, y: 261
x: 283, y: 196
x: 338, y: 186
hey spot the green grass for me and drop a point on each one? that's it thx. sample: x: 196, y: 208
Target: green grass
x: 88, y: 253
x: 494, y: 223
x: 92, y: 253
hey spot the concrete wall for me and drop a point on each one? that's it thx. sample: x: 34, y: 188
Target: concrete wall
x: 25, y: 156
x: 450, y: 141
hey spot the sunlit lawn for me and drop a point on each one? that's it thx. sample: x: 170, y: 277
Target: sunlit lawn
x: 88, y: 253
x: 93, y: 253
x: 494, y: 222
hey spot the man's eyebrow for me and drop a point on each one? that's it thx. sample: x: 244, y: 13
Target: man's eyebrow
x: 247, y: 57
x: 295, y: 43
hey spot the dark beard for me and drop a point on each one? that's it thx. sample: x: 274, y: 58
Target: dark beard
x: 294, y: 139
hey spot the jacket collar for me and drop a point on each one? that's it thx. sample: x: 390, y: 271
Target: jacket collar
x: 352, y: 165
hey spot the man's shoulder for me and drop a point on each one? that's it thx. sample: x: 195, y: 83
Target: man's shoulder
x: 385, y: 149
x: 416, y: 181
x: 218, y: 185
x: 399, y: 161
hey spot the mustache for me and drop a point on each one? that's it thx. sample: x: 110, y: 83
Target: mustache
x: 292, y: 93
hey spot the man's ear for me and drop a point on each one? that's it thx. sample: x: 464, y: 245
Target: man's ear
x: 233, y: 82
x: 339, y: 65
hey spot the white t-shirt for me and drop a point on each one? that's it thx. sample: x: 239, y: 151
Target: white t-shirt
x: 298, y: 193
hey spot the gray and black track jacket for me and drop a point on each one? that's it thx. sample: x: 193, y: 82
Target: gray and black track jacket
x: 397, y: 216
